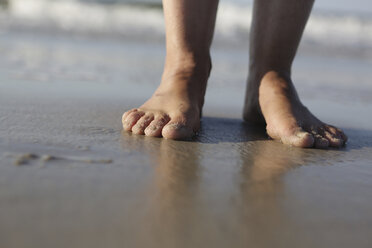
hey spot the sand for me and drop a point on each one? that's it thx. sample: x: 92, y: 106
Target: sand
x: 70, y: 177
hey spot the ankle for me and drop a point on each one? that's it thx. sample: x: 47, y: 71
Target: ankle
x: 260, y: 84
x: 276, y: 80
x: 258, y: 71
x: 187, y: 65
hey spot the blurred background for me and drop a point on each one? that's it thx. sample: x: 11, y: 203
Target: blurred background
x: 90, y: 42
x: 333, y: 23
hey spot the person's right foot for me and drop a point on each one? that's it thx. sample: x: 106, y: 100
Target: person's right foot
x: 174, y: 109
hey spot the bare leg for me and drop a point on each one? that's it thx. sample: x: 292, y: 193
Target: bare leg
x: 271, y: 97
x: 174, y: 109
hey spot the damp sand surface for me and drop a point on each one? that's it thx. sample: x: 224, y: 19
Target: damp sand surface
x: 70, y: 177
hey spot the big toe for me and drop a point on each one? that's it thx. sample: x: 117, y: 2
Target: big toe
x: 299, y: 139
x: 174, y: 130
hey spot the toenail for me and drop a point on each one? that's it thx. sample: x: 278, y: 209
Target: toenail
x: 176, y: 125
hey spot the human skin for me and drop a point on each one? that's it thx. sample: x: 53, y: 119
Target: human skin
x: 174, y: 110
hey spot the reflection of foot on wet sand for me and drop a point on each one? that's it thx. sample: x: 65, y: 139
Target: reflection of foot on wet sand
x: 267, y: 163
x: 173, y: 195
x: 262, y: 191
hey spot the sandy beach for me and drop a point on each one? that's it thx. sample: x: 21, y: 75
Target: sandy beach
x: 70, y: 177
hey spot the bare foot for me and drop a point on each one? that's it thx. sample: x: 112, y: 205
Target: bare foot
x: 287, y: 119
x: 174, y: 109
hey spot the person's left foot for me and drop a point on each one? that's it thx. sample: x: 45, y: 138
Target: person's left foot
x: 287, y: 120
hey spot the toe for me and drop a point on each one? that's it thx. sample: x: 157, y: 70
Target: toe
x: 142, y: 124
x: 341, y: 134
x: 125, y: 115
x: 131, y: 119
x: 177, y: 130
x: 320, y: 142
x: 156, y: 126
x: 181, y: 127
x: 299, y: 138
x: 337, y: 133
x: 334, y: 141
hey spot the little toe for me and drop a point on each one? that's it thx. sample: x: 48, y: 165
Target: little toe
x: 299, y: 139
x: 334, y: 141
x: 132, y: 119
x: 176, y: 130
x: 156, y: 126
x: 125, y: 115
x: 320, y: 142
x: 342, y: 134
x: 142, y: 124
x: 338, y: 133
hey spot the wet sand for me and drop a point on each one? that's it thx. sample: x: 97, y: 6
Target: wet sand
x: 70, y: 177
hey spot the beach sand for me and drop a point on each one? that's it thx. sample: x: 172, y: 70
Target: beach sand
x: 70, y: 177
